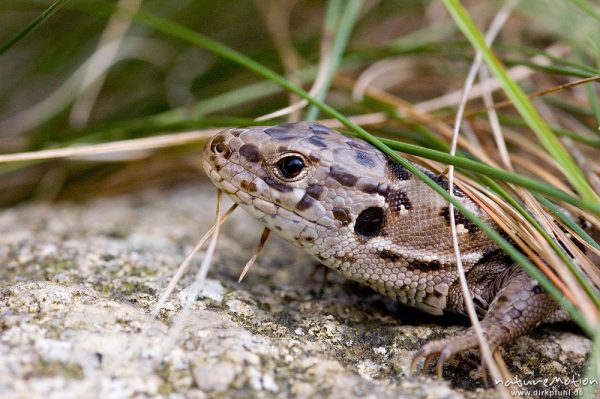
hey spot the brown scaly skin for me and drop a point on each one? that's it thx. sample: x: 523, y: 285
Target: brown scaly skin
x: 356, y: 211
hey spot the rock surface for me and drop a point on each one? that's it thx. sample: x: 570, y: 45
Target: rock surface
x: 78, y: 283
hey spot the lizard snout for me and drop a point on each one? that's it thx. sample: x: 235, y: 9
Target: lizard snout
x: 218, y: 146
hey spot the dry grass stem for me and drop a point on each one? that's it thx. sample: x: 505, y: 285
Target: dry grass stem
x: 147, y: 143
x: 259, y: 247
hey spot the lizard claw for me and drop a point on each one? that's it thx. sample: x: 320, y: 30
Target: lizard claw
x: 429, y: 351
x: 446, y: 354
x: 445, y: 349
x: 418, y: 356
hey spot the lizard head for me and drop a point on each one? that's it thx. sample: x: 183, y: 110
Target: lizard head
x: 310, y: 184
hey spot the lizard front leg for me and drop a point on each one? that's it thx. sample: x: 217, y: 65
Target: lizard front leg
x: 519, y: 306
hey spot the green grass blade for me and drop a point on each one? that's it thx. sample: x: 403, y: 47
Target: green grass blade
x: 590, y: 91
x: 32, y: 25
x: 588, y: 8
x: 342, y: 34
x: 556, y: 59
x: 555, y: 69
x: 516, y: 121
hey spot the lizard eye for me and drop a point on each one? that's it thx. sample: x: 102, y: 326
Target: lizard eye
x: 290, y: 166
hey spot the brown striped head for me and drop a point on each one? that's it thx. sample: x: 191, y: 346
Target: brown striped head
x: 299, y: 178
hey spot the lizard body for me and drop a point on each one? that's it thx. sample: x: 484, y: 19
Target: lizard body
x: 358, y: 212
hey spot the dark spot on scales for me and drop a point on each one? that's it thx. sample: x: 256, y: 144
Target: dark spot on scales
x: 369, y: 188
x: 389, y: 255
x: 398, y: 170
x: 346, y: 258
x: 315, y: 191
x: 374, y: 188
x: 342, y: 215
x: 235, y: 132
x: 314, y: 157
x: 488, y: 256
x: 497, y: 255
x: 280, y: 132
x: 369, y: 222
x: 250, y: 152
x: 537, y: 290
x: 276, y: 185
x: 342, y: 175
x: 358, y: 144
x: 459, y: 218
x: 318, y: 141
x: 318, y: 128
x: 364, y: 159
x: 425, y: 266
x: 396, y: 199
x: 305, y: 202
x: 248, y: 186
x: 443, y: 182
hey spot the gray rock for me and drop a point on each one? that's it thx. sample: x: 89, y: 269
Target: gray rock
x: 78, y: 282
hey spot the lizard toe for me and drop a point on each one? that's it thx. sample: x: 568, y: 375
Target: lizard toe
x: 445, y: 349
x: 446, y: 354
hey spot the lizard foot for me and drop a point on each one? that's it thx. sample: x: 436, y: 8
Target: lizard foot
x: 445, y: 349
x: 518, y: 307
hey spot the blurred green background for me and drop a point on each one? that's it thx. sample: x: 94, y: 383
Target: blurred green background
x: 158, y: 84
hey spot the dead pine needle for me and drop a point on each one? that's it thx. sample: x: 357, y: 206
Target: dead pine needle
x: 259, y: 247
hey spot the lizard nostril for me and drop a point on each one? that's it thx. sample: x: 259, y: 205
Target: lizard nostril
x: 218, y: 145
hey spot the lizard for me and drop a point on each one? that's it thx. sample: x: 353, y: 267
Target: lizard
x: 358, y: 212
